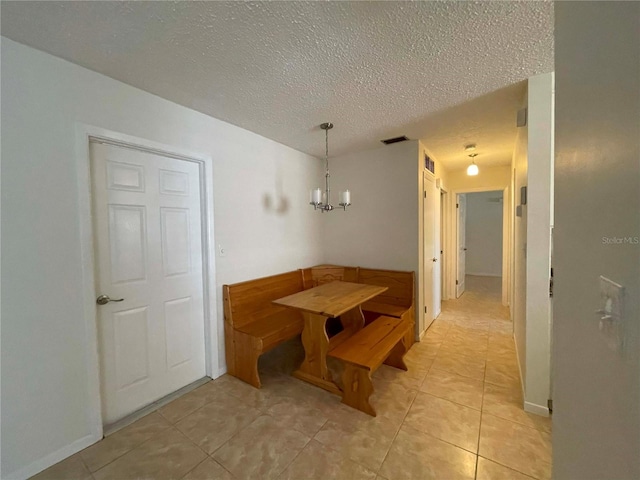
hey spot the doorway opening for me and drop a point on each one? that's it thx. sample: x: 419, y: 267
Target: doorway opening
x: 479, y: 239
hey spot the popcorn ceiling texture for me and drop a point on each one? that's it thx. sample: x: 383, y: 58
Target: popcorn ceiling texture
x: 375, y: 69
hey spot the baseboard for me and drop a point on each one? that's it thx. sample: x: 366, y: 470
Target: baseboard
x: 475, y: 274
x: 53, y: 458
x: 536, y: 409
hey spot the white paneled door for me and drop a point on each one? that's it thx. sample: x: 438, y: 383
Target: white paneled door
x: 147, y: 228
x: 430, y: 257
x: 462, y: 243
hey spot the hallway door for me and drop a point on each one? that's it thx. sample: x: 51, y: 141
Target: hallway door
x: 430, y: 257
x: 461, y: 204
x: 148, y: 231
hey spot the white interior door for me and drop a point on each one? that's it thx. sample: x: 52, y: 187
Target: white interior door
x: 437, y: 246
x: 462, y: 245
x: 147, y: 226
x: 429, y: 247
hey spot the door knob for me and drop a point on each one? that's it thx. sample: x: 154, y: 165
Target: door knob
x: 104, y: 299
x: 434, y: 259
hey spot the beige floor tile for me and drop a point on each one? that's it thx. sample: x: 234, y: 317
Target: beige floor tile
x: 169, y: 455
x: 507, y: 403
x: 501, y: 342
x: 450, y: 386
x: 71, y: 468
x: 294, y: 415
x: 464, y: 365
x: 190, y: 402
x: 208, y: 470
x: 100, y: 454
x: 521, y: 448
x: 414, y: 455
x: 361, y: 438
x: 502, y: 356
x: 261, y: 450
x: 445, y: 420
x: 215, y: 423
x: 474, y: 332
x: 182, y: 406
x: 422, y: 352
x: 502, y: 374
x: 488, y: 470
x: 470, y: 349
x: 411, y: 379
x: 255, y: 397
x: 391, y: 400
x: 317, y: 461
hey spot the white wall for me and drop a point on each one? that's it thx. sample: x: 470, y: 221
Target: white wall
x: 494, y: 178
x: 484, y: 234
x: 519, y: 241
x: 45, y: 385
x: 596, y: 424
x: 539, y: 191
x: 380, y: 229
x: 533, y: 164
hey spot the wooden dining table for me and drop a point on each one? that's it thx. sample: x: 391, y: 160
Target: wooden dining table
x: 317, y: 305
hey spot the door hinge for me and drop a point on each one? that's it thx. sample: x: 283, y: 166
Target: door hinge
x: 425, y: 194
x: 550, y: 405
x: 457, y: 205
x: 456, y: 282
x: 425, y: 309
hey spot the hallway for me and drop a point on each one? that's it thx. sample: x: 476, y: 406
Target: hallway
x: 456, y: 414
x: 474, y: 365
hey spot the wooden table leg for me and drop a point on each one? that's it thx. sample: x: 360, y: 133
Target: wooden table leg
x: 316, y: 345
x: 352, y: 321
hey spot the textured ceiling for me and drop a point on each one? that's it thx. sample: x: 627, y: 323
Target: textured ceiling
x: 375, y: 69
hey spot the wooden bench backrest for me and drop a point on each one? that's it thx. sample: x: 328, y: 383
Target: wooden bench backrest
x: 321, y: 274
x: 400, y: 285
x: 249, y: 301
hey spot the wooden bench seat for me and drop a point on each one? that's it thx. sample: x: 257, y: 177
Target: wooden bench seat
x: 253, y: 325
x: 383, y: 341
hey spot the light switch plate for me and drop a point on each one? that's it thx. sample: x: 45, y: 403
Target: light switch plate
x: 611, y: 313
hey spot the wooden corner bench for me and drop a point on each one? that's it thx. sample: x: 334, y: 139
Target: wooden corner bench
x: 253, y: 325
x: 382, y: 341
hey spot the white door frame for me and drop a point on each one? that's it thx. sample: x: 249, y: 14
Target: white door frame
x: 506, y: 246
x: 83, y: 134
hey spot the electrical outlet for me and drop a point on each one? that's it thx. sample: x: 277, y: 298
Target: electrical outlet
x: 222, y: 252
x: 611, y: 313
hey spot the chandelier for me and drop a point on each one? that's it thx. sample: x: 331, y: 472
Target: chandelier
x: 319, y: 199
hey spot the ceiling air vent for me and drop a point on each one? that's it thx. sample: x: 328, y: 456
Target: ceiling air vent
x: 389, y: 141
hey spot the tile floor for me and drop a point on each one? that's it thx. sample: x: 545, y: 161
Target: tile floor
x: 455, y: 414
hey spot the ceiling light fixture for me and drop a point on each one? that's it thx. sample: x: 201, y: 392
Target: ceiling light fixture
x: 470, y: 148
x: 321, y: 200
x: 473, y: 168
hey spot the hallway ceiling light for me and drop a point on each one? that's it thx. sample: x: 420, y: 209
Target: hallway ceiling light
x: 321, y: 200
x: 470, y: 148
x: 473, y: 168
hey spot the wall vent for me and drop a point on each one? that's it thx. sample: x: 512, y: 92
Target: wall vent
x: 389, y: 141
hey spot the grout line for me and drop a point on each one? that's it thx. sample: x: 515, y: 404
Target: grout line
x: 508, y: 467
